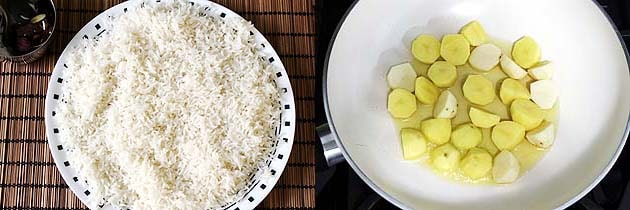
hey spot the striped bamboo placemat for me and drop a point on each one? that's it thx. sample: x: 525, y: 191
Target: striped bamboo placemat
x: 29, y: 178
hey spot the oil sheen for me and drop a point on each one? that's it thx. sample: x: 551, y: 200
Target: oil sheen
x: 527, y: 154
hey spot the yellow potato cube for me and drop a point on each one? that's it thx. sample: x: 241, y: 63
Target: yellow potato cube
x: 476, y: 164
x: 442, y: 73
x: 526, y: 52
x: 455, y: 49
x: 478, y: 90
x: 474, y: 33
x: 483, y: 119
x: 401, y: 103
x: 413, y: 143
x: 445, y: 157
x: 466, y: 136
x: 512, y: 89
x: 507, y: 134
x: 526, y: 113
x: 437, y: 131
x: 426, y: 48
x: 426, y: 92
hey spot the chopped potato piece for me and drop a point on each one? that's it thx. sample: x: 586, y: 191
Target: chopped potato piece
x: 527, y: 154
x: 474, y: 33
x: 543, y: 136
x: 483, y: 119
x: 401, y: 103
x: 506, y: 168
x: 466, y: 136
x: 402, y: 76
x: 446, y: 106
x: 544, y: 70
x: 455, y: 49
x: 413, y: 143
x: 512, y: 89
x: 477, y: 163
x: 442, y: 73
x: 445, y: 157
x: 544, y: 93
x: 507, y: 134
x: 512, y: 69
x: 526, y: 52
x: 526, y: 113
x: 437, y: 131
x: 478, y: 90
x: 485, y: 57
x: 426, y: 48
x: 426, y: 92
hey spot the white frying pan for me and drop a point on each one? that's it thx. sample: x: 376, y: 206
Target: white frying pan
x: 592, y: 73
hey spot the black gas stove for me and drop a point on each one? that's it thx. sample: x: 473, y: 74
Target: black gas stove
x: 339, y: 188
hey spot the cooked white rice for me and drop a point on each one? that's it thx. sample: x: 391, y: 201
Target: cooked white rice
x: 168, y: 109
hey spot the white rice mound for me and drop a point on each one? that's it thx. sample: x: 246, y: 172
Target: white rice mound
x: 168, y: 109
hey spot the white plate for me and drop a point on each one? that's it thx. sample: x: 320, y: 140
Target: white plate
x: 261, y: 183
x: 592, y: 72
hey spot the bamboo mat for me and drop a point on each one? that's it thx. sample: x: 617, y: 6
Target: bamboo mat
x: 29, y: 178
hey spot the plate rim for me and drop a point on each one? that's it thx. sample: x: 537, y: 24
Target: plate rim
x: 277, y: 164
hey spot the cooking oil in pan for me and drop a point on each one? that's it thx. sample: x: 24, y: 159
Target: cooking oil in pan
x: 526, y: 153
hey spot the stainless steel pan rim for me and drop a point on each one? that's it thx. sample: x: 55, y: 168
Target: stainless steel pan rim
x: 396, y: 202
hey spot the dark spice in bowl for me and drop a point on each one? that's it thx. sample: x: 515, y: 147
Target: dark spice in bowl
x: 26, y: 27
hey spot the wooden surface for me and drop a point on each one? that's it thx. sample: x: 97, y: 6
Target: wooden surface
x: 28, y: 176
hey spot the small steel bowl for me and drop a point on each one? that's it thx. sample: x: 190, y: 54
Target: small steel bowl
x: 26, y: 29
